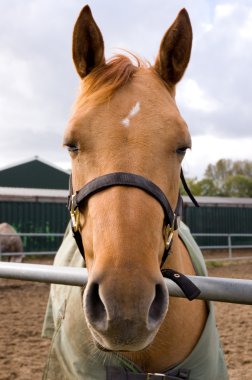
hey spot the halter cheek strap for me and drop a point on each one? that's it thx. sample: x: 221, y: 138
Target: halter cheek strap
x: 132, y: 180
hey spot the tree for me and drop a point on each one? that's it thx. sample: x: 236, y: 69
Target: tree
x: 226, y: 178
x: 238, y: 186
x: 218, y: 172
x: 204, y: 187
x: 207, y: 187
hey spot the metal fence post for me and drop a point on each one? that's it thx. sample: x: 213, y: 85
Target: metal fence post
x: 230, y: 247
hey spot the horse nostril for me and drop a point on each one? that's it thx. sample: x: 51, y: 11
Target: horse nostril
x: 158, y: 307
x: 94, y: 307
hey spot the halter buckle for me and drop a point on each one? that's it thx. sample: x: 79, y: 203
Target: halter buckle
x: 75, y: 215
x: 169, y: 232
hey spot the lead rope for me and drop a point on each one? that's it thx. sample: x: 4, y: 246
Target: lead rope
x: 190, y: 290
x: 188, y: 191
x: 169, y: 230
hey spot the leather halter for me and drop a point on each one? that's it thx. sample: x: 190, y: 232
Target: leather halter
x: 134, y: 180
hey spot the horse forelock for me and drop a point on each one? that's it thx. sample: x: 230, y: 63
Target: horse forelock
x: 99, y: 86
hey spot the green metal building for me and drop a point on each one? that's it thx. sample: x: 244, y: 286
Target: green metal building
x: 35, y: 211
x: 35, y: 174
x: 218, y: 215
x: 33, y: 198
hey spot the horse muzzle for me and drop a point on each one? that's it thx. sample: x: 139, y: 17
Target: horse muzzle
x: 125, y: 316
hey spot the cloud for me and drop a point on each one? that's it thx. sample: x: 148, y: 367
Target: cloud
x: 37, y: 80
x: 195, y: 98
x: 26, y: 144
x: 225, y: 10
x: 210, y: 149
x: 221, y: 69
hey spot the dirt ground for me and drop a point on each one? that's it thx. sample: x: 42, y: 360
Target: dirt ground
x: 23, y: 352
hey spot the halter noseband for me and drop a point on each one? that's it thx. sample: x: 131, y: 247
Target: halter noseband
x: 134, y: 180
x: 124, y: 179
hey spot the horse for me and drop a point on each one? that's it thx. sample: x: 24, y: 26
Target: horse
x: 11, y: 244
x: 127, y: 139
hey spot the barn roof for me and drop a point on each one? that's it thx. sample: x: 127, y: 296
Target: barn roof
x: 20, y: 194
x: 34, y: 173
x: 219, y: 201
x: 60, y: 196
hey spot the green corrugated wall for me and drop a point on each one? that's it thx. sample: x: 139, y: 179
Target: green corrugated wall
x: 53, y: 217
x: 36, y: 217
x: 221, y: 219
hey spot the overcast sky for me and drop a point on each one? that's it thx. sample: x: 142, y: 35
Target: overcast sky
x: 38, y: 83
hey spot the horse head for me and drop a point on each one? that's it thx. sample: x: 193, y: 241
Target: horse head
x: 125, y: 119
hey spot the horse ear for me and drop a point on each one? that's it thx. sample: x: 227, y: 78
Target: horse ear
x: 175, y: 50
x: 88, y: 46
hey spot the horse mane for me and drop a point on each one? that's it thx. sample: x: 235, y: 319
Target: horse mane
x: 98, y: 86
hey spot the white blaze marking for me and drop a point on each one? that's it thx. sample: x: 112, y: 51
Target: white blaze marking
x: 125, y: 122
x: 133, y: 112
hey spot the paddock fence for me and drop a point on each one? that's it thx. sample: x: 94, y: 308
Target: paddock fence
x: 229, y: 243
x: 40, y: 244
x: 35, y: 244
x: 212, y: 288
x: 215, y: 289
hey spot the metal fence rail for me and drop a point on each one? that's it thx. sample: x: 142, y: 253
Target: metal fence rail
x: 212, y: 288
x: 229, y: 245
x: 37, y: 253
x: 31, y: 235
x: 34, y: 234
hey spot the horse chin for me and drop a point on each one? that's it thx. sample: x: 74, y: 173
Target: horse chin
x: 115, y: 345
x: 100, y: 347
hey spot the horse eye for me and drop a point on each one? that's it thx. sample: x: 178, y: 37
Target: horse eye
x: 72, y: 148
x: 182, y: 150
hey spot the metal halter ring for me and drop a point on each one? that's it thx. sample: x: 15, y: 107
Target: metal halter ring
x: 75, y: 215
x: 168, y: 234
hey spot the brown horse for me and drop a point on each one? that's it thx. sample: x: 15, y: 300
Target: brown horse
x: 126, y: 120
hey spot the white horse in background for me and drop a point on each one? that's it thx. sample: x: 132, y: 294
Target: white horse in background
x: 11, y: 244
